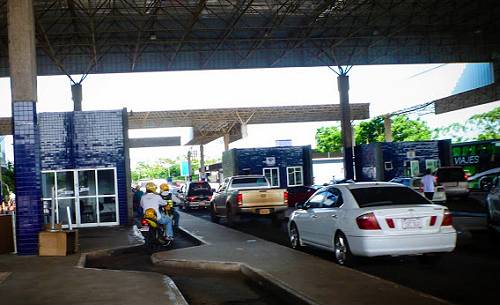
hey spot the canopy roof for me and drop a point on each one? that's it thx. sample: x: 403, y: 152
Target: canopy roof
x: 102, y: 36
x: 210, y: 124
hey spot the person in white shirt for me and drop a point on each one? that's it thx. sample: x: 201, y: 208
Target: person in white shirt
x: 428, y: 182
x: 151, y: 200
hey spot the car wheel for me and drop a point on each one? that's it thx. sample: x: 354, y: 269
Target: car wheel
x: 294, y: 237
x: 342, y: 253
x: 213, y: 216
x: 430, y: 259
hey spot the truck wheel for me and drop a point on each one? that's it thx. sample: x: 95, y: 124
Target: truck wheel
x: 213, y: 216
x: 230, y: 217
x: 277, y: 219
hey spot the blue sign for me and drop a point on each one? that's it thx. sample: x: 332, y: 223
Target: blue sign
x: 184, y: 168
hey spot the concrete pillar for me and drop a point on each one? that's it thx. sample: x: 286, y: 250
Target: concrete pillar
x: 76, y: 94
x: 202, y: 161
x: 345, y: 123
x: 387, y: 128
x: 190, y: 170
x: 226, y: 141
x: 22, y: 65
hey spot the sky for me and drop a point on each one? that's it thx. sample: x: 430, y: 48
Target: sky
x: 387, y: 88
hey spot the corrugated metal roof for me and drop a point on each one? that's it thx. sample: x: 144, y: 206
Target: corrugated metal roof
x: 100, y: 36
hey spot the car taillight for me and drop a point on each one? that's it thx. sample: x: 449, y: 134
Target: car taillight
x: 209, y: 198
x: 436, y: 179
x: 447, y: 220
x: 144, y: 222
x: 433, y: 220
x: 285, y: 198
x: 390, y: 222
x: 367, y: 222
x: 239, y: 199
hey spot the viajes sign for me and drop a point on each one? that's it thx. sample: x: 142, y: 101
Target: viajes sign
x: 466, y: 160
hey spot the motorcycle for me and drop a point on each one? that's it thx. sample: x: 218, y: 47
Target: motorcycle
x: 152, y: 232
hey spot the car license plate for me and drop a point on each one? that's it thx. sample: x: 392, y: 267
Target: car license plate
x: 264, y: 211
x: 263, y: 195
x: 202, y: 203
x: 412, y: 223
x: 144, y: 229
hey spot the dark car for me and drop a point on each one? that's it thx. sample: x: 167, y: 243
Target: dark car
x: 454, y: 180
x: 300, y: 194
x: 196, y: 195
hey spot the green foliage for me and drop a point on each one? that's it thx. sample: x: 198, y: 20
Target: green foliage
x: 370, y: 131
x: 164, y: 168
x: 404, y: 129
x: 328, y: 139
x: 483, y: 126
x: 8, y: 178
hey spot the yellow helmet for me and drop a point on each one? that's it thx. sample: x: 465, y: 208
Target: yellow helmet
x: 150, y: 187
x: 164, y: 187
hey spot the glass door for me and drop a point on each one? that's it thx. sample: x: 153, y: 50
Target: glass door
x: 87, y: 190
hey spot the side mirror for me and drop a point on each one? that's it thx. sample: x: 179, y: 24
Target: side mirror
x: 179, y: 191
x: 213, y: 190
x: 299, y: 206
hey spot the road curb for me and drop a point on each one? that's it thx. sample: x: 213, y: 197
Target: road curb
x: 177, y: 298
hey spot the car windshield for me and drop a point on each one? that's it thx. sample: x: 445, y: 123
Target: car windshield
x: 199, y: 188
x: 249, y: 182
x: 391, y: 195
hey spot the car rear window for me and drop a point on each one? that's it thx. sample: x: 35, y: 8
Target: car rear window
x: 199, y: 188
x: 450, y: 174
x: 392, y: 195
x: 249, y: 182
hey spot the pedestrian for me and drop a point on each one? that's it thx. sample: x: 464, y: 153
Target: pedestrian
x: 428, y: 182
x: 137, y: 204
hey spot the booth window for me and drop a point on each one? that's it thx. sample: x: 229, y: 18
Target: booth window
x: 91, y: 195
x: 295, y: 176
x: 388, y: 165
x: 273, y: 175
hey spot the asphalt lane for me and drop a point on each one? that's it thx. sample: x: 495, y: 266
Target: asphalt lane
x: 467, y: 276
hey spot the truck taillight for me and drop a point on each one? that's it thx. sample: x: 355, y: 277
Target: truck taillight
x: 447, y: 220
x: 367, y: 222
x: 285, y: 198
x: 239, y: 199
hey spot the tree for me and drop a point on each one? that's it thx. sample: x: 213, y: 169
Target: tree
x: 328, y: 139
x: 483, y: 126
x: 8, y: 178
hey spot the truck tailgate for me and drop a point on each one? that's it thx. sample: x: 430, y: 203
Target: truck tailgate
x: 263, y: 197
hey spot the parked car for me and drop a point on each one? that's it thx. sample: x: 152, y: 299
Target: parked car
x: 493, y: 203
x: 415, y: 183
x: 454, y: 180
x: 195, y: 195
x: 483, y: 181
x: 248, y: 194
x: 372, y: 219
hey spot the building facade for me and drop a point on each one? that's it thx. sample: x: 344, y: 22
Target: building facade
x: 284, y: 167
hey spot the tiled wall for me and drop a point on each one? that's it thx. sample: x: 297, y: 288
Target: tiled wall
x: 254, y: 159
x: 27, y: 177
x: 85, y: 139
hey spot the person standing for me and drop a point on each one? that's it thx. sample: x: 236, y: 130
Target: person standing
x: 137, y: 204
x: 428, y: 182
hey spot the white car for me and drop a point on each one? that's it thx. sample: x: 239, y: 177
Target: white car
x: 372, y: 219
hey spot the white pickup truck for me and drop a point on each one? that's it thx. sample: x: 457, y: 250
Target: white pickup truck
x: 249, y: 194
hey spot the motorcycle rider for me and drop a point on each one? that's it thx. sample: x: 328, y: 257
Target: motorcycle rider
x: 151, y: 200
x: 167, y: 195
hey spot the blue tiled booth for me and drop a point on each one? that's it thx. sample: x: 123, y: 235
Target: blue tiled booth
x: 285, y: 167
x: 384, y: 161
x: 83, y: 156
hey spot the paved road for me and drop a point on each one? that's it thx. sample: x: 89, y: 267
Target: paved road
x: 468, y: 276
